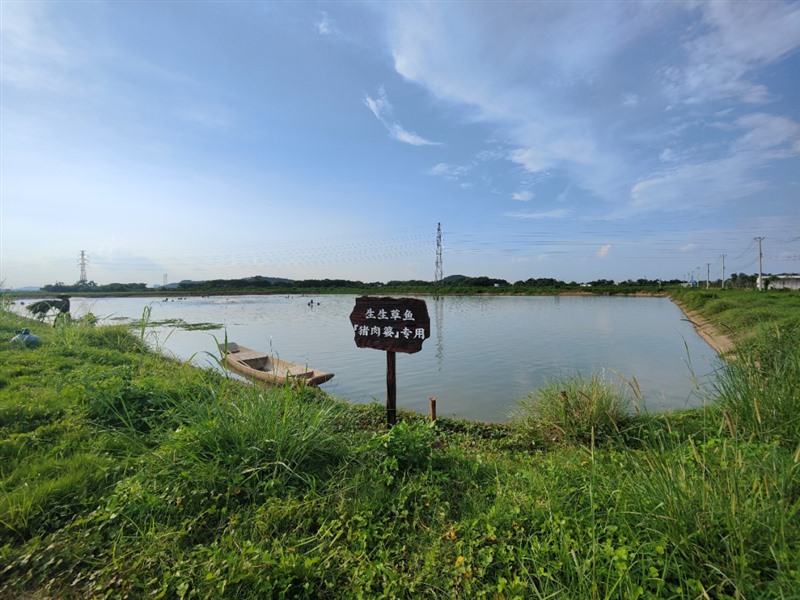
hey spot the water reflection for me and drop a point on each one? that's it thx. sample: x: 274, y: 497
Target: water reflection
x: 438, y: 310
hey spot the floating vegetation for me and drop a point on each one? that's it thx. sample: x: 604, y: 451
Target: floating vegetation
x: 181, y: 324
x: 174, y: 323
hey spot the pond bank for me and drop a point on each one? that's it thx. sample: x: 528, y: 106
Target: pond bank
x: 720, y: 342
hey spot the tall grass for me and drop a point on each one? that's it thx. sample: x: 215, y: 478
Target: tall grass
x: 266, y: 437
x: 759, y: 391
x: 725, y: 510
x: 572, y: 410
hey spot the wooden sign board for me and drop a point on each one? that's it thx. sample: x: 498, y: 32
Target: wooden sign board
x: 390, y: 324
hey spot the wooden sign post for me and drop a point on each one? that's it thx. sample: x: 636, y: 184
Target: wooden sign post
x: 394, y: 325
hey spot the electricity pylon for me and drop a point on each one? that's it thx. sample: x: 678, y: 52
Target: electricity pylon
x: 439, y: 274
x: 83, y: 261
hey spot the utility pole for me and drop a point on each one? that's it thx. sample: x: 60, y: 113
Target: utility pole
x: 83, y: 261
x: 760, y: 255
x: 723, y: 271
x: 708, y: 274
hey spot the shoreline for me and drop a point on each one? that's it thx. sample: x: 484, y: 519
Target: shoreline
x: 722, y: 343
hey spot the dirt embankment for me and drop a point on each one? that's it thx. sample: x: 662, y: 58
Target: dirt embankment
x: 722, y: 343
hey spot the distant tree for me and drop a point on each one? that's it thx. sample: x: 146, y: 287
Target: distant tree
x: 450, y: 279
x: 601, y: 282
x: 742, y: 280
x: 482, y: 281
x: 542, y: 282
x: 327, y: 283
x: 58, y: 286
x: 88, y: 286
x: 409, y: 283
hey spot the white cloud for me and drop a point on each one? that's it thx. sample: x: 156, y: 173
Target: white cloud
x: 699, y: 186
x: 533, y: 159
x: 572, y: 122
x: 769, y: 136
x: 604, y: 250
x: 382, y: 109
x: 522, y: 196
x: 452, y: 172
x: 409, y: 137
x: 485, y: 60
x: 708, y: 184
x: 738, y: 37
x: 325, y: 26
x: 380, y: 106
x: 439, y: 169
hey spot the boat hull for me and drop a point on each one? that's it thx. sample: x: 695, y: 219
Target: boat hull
x: 260, y: 366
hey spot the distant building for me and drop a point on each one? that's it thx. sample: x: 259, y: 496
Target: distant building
x: 782, y: 282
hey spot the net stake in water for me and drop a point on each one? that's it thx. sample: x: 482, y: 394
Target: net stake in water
x: 392, y: 325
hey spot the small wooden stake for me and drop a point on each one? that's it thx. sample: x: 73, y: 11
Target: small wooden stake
x: 433, y: 408
x: 391, y: 389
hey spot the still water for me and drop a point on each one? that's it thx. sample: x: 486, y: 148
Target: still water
x: 483, y: 356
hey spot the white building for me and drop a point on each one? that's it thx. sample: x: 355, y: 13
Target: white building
x: 782, y: 282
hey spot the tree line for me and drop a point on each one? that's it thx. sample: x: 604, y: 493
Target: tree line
x: 450, y: 284
x: 91, y: 286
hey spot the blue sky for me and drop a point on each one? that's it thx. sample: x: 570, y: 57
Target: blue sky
x: 574, y: 140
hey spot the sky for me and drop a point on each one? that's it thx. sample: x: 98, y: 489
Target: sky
x: 571, y: 140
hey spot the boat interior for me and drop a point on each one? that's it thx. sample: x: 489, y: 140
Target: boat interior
x: 259, y: 363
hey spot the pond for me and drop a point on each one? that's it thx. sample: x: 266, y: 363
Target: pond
x: 485, y: 353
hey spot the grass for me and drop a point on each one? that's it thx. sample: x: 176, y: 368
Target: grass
x: 743, y: 313
x: 575, y: 410
x: 123, y: 474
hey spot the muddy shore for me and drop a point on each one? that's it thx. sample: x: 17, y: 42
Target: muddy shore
x: 720, y: 342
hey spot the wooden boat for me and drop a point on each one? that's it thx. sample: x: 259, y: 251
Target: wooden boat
x: 263, y: 367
